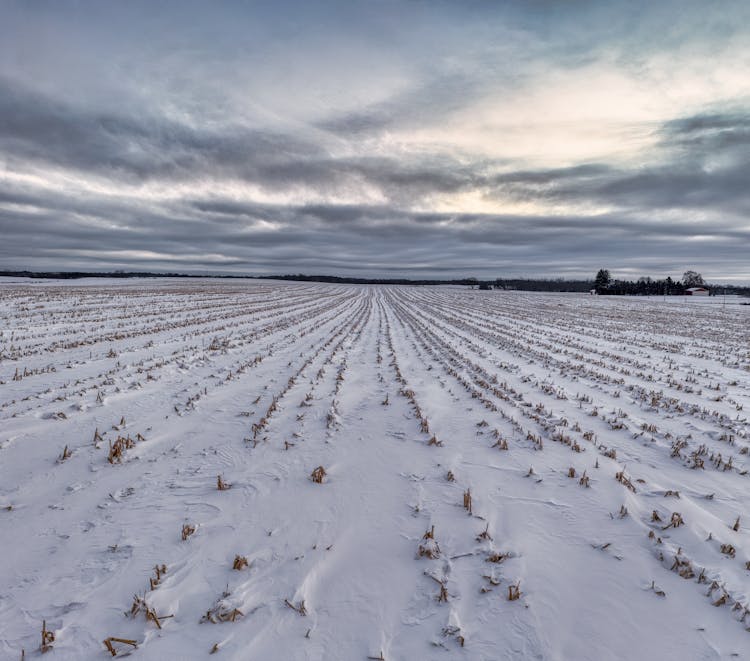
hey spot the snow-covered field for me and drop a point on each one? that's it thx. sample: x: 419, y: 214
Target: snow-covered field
x: 507, y: 475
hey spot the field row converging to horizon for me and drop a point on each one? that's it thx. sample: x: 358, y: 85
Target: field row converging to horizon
x: 315, y: 471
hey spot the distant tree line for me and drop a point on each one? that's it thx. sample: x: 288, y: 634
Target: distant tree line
x: 299, y: 277
x: 644, y: 287
x: 76, y: 275
x: 371, y: 281
x: 602, y: 283
x: 542, y: 284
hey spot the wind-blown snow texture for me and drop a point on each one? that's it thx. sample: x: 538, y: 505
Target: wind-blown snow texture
x: 576, y: 429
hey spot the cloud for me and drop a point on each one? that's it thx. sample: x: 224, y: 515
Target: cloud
x: 36, y: 128
x: 367, y: 239
x: 412, y: 107
x: 701, y: 165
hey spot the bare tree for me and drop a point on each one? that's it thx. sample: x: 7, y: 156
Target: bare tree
x: 692, y: 279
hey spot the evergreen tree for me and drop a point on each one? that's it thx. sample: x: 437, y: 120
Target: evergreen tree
x: 602, y: 281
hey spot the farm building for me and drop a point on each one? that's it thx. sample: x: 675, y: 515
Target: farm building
x: 697, y: 291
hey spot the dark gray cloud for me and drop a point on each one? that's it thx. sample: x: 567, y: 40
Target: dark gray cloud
x: 195, y: 235
x: 381, y: 140
x: 37, y: 128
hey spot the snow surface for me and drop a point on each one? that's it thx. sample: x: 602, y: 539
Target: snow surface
x: 407, y: 397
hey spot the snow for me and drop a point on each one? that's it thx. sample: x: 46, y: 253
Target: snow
x: 423, y: 524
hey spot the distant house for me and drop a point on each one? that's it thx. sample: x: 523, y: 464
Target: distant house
x: 696, y: 291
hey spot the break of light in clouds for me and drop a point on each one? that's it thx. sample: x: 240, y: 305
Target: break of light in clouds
x: 379, y: 139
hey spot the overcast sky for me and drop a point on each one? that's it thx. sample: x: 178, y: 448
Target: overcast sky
x: 377, y: 138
